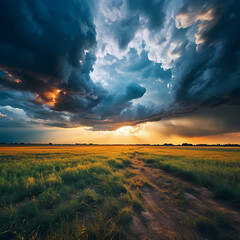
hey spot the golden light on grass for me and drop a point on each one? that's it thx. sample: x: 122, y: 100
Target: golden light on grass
x: 56, y: 185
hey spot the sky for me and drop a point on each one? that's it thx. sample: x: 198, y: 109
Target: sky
x: 120, y: 71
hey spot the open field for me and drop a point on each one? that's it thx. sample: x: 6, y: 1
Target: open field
x: 119, y: 192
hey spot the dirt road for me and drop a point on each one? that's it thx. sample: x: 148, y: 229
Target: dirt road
x: 176, y: 209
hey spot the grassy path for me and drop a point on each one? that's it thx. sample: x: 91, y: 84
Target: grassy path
x: 176, y: 209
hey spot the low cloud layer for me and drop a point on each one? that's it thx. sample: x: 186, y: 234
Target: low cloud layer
x: 109, y: 63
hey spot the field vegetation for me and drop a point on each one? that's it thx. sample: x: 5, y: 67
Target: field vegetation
x: 66, y: 192
x: 88, y: 192
x: 217, y: 169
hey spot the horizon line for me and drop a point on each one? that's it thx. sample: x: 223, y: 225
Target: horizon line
x: 120, y: 144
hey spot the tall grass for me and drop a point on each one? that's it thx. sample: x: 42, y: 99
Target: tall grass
x: 214, y: 168
x: 86, y: 190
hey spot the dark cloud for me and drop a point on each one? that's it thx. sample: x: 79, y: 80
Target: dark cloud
x: 46, y: 47
x: 21, y: 110
x: 125, y: 30
x: 45, y: 37
x: 211, y: 72
x: 148, y: 68
x: 48, y: 51
x: 203, y: 122
x: 134, y: 91
x: 112, y: 105
x: 207, y: 73
x: 152, y: 10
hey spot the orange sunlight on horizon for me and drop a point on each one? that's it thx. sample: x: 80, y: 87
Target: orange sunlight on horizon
x: 147, y: 133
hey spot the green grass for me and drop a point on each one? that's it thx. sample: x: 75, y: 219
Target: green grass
x: 89, y: 196
x: 220, y: 172
x: 212, y: 224
x: 86, y: 192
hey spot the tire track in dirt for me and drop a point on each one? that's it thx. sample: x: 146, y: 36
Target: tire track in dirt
x: 165, y: 216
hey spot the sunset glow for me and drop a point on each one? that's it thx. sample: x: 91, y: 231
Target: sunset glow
x: 49, y: 98
x: 52, y: 96
x: 127, y: 130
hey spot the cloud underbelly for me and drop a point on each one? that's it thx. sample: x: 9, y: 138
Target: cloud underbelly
x: 109, y: 63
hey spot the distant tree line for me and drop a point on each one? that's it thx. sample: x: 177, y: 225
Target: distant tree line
x: 93, y: 144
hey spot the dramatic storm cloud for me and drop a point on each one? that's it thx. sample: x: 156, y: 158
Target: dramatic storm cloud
x: 109, y: 63
x: 47, y: 52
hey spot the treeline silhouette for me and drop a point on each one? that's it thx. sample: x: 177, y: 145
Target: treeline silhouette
x: 94, y: 144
